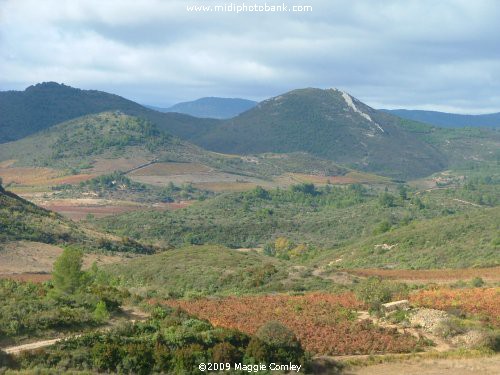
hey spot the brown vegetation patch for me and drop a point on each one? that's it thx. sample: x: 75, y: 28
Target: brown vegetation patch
x: 483, y: 303
x: 334, y: 180
x: 28, y: 176
x: 27, y: 277
x: 226, y: 186
x: 39, y: 176
x: 167, y: 169
x: 104, y: 166
x: 81, y: 212
x: 324, y: 323
x: 7, y: 163
x: 74, y: 179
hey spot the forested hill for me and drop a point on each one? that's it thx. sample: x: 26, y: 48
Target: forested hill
x: 330, y: 124
x: 23, y: 113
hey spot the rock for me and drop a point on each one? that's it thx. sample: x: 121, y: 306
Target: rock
x: 429, y: 320
x: 470, y: 340
x: 396, y: 305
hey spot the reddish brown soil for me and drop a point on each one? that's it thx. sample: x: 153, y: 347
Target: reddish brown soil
x: 31, y: 277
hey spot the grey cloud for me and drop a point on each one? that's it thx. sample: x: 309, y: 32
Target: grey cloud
x: 416, y: 54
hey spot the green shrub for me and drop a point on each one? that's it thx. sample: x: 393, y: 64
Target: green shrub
x: 374, y: 292
x: 101, y: 313
x: 477, y: 282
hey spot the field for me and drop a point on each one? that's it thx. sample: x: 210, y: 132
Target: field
x: 482, y: 303
x: 168, y: 169
x: 33, y: 261
x: 78, y: 209
x: 324, y: 323
x: 38, y: 177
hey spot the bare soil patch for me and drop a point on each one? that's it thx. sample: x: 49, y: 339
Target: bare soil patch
x: 28, y: 176
x: 470, y: 366
x: 167, y: 169
x: 25, y: 176
x: 33, y: 261
x: 226, y: 186
x: 104, y: 166
x: 78, y: 209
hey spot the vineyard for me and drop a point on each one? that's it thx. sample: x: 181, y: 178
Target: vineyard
x: 324, y: 323
x: 483, y: 303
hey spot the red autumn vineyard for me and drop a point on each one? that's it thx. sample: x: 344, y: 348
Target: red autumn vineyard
x: 324, y: 323
x: 483, y: 303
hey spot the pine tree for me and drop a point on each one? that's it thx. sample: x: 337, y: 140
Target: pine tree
x: 68, y: 276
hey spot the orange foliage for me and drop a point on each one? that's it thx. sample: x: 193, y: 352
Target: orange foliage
x: 481, y: 302
x: 324, y: 323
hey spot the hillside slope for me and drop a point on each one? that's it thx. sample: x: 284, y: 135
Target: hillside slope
x: 210, y: 270
x: 448, y: 120
x: 40, y: 106
x: 22, y: 220
x: 123, y: 143
x: 109, y: 135
x: 329, y: 124
x: 464, y: 240
x: 212, y: 107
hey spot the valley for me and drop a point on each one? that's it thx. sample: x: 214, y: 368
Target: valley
x: 279, y: 234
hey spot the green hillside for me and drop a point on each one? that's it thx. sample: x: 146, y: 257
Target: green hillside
x: 329, y: 124
x: 76, y: 143
x: 463, y: 147
x: 321, y: 218
x: 40, y: 106
x: 22, y: 220
x: 210, y: 270
x: 469, y: 239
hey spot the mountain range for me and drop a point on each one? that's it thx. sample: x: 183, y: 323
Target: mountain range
x: 448, y: 120
x: 330, y: 124
x: 212, y: 107
x: 327, y: 124
x: 40, y: 106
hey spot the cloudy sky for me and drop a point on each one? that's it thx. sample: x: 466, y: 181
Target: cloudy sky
x: 442, y: 55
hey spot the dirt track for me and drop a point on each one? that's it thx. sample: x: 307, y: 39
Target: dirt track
x: 471, y: 366
x: 132, y: 314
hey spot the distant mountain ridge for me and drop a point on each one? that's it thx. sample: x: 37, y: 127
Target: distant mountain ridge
x: 330, y: 124
x: 327, y: 124
x: 213, y: 107
x: 23, y: 113
x: 448, y: 120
